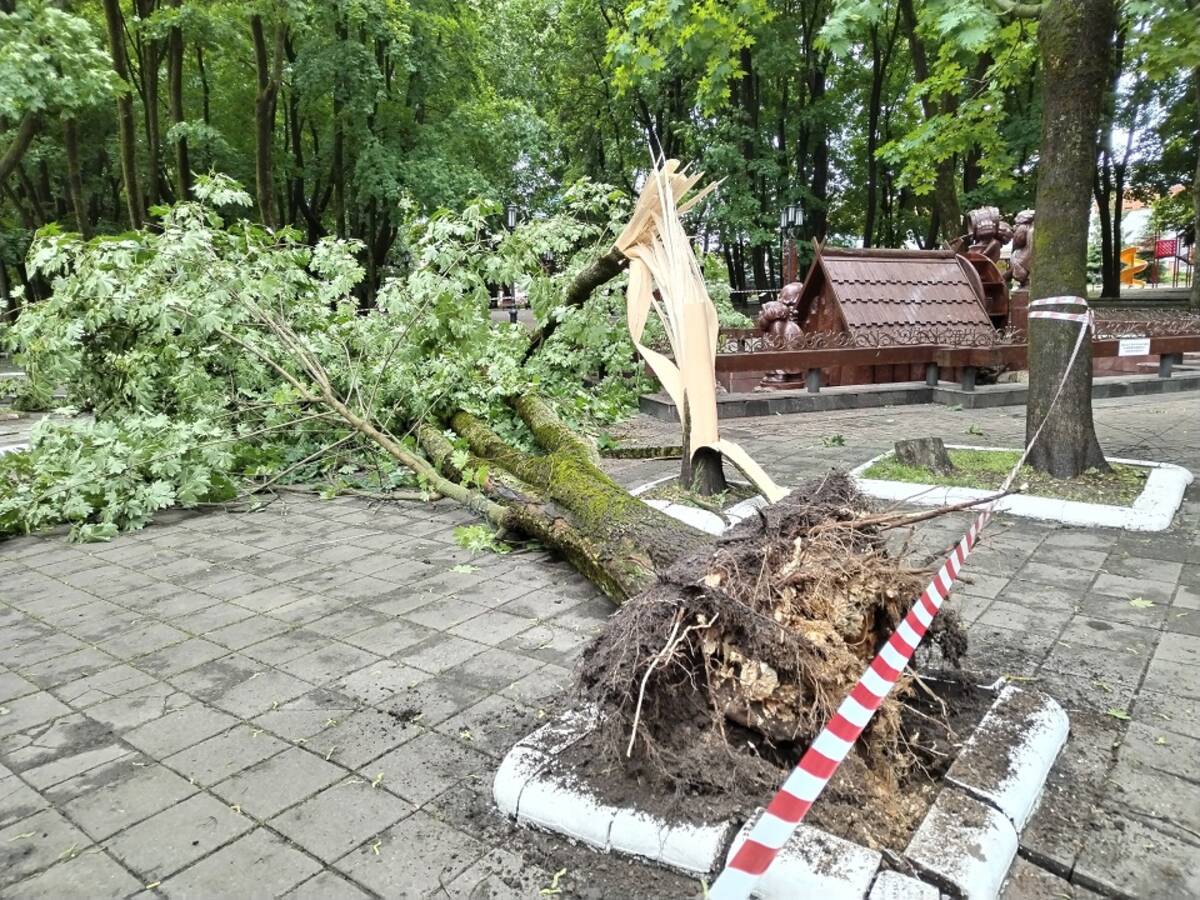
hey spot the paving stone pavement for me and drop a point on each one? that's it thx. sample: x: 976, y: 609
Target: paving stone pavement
x: 310, y: 700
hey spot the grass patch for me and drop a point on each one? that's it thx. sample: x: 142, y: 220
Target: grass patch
x: 985, y: 469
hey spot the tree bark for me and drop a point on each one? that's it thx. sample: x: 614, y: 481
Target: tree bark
x: 26, y: 131
x: 1074, y: 38
x: 149, y: 52
x: 1194, y: 298
x: 592, y: 276
x: 617, y: 541
x: 183, y: 169
x: 125, y: 130
x: 75, y: 177
x: 268, y: 72
x: 945, y: 191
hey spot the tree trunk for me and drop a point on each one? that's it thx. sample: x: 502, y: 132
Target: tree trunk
x: 268, y: 74
x: 183, y: 169
x: 873, y: 110
x: 75, y: 177
x: 1110, y: 285
x: 565, y: 499
x: 26, y: 131
x: 1074, y: 38
x: 125, y: 130
x: 150, y: 58
x: 946, y: 207
x: 1195, y: 294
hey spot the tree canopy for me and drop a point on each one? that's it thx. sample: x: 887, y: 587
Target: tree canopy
x: 884, y: 121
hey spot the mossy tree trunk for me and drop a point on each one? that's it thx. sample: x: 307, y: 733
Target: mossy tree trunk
x: 1075, y: 37
x: 562, y: 498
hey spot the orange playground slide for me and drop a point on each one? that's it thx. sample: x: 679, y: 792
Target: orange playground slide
x: 1132, y: 267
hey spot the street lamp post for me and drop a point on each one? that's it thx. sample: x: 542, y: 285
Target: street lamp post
x: 510, y: 222
x: 791, y: 218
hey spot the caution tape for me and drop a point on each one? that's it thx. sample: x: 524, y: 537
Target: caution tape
x: 1058, y: 301
x: 1085, y: 318
x: 821, y: 760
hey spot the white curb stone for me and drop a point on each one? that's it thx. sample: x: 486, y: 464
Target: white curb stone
x: 520, y: 764
x: 1029, y: 729
x: 891, y: 885
x: 814, y: 863
x: 551, y: 802
x: 965, y: 844
x: 692, y: 848
x: 1153, y: 510
x: 703, y: 519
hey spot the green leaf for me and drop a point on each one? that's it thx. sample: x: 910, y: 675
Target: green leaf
x: 1140, y: 603
x: 1117, y: 713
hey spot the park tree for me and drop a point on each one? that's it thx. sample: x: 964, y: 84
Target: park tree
x: 1075, y: 39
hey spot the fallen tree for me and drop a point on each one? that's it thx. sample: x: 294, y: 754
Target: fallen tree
x: 216, y: 361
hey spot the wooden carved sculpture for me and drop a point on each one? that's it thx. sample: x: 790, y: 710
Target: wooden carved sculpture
x: 1021, y: 262
x: 661, y: 261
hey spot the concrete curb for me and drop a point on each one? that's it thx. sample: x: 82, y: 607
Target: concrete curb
x: 1153, y: 510
x: 1032, y: 729
x: 891, y: 885
x: 814, y: 863
x: 964, y: 846
x: 703, y: 519
x: 966, y: 843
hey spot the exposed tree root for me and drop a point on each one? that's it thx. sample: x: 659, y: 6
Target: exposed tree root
x: 732, y: 662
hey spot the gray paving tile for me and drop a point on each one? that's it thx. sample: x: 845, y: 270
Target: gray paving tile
x: 112, y: 682
x: 271, y: 786
x: 340, y: 818
x: 91, y: 870
x: 363, y: 736
x: 36, y: 843
x: 328, y: 885
x: 224, y: 754
x: 428, y: 765
x: 140, y: 706
x: 1128, y: 588
x: 109, y: 798
x: 329, y: 663
x: 176, y: 837
x: 416, y: 857
x: 18, y: 801
x: 179, y: 729
x: 438, y: 653
x: 257, y: 864
x: 32, y: 709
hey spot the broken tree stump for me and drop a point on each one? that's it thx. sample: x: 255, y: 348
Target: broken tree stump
x: 927, y: 453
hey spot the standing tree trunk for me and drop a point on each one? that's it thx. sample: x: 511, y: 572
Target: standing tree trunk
x: 183, y: 170
x: 1074, y: 38
x: 269, y: 73
x: 125, y: 131
x: 946, y: 208
x: 1195, y: 294
x: 149, y: 53
x: 75, y: 177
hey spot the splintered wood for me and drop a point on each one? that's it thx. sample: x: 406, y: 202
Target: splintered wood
x: 661, y: 260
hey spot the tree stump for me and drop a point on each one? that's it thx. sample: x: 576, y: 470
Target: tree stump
x: 926, y: 453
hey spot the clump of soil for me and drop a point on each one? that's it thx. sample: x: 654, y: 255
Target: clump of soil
x: 714, y: 681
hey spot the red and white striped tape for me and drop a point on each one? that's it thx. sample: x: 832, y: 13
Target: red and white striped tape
x: 1085, y: 318
x: 1058, y: 301
x: 805, y: 783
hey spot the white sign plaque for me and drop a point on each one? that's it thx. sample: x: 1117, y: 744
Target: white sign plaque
x: 1134, y: 347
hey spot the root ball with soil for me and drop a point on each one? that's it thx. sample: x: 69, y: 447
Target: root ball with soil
x: 715, y: 679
